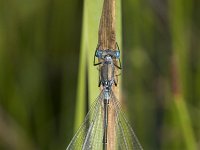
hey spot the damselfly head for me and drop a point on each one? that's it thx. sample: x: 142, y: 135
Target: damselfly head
x: 103, y: 53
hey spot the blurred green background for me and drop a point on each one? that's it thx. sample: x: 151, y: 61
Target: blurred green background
x: 42, y: 43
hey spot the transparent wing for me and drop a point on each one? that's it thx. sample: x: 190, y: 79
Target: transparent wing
x: 90, y: 134
x: 126, y: 138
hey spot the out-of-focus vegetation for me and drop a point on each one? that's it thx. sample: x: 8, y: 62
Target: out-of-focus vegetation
x: 40, y: 44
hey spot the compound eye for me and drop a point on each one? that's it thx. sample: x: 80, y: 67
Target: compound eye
x: 98, y: 53
x: 117, y: 54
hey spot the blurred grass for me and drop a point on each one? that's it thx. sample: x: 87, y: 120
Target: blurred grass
x: 87, y: 74
x: 180, y: 15
x: 42, y: 69
x: 81, y: 100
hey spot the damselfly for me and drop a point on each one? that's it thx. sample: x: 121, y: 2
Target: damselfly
x: 93, y: 133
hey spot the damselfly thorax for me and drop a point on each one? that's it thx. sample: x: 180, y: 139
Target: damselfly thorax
x: 109, y: 60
